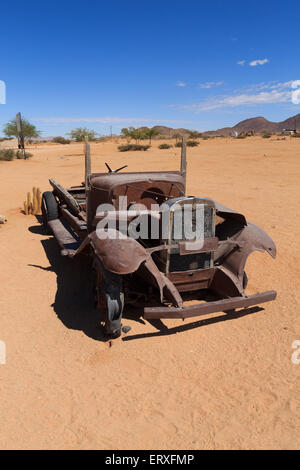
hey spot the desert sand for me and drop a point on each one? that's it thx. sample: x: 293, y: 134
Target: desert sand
x: 216, y: 383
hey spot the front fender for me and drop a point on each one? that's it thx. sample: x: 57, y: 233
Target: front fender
x: 118, y: 253
x: 251, y: 238
x: 123, y: 255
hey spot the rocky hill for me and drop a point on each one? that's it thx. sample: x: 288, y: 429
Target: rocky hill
x: 259, y: 125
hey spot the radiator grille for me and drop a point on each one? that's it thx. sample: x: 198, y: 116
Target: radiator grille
x: 177, y: 262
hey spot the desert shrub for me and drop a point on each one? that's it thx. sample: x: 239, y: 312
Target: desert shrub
x: 7, y: 154
x: 60, y: 140
x: 241, y: 136
x: 20, y: 155
x: 266, y: 136
x: 164, y: 146
x: 10, y: 154
x: 192, y: 143
x: 126, y: 148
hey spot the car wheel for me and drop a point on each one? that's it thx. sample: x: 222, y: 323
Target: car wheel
x: 108, y: 296
x: 245, y: 280
x: 114, y: 310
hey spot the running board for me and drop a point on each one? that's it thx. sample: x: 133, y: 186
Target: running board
x: 66, y: 240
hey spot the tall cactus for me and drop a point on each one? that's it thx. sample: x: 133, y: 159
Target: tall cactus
x: 33, y: 206
x: 29, y: 203
x: 25, y: 208
x: 39, y: 199
x: 34, y: 201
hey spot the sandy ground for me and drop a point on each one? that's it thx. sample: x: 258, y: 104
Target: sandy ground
x: 209, y: 384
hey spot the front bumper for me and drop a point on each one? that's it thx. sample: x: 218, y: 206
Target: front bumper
x: 209, y: 307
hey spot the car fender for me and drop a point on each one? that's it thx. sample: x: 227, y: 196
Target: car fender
x: 251, y: 238
x: 123, y: 255
x: 118, y: 253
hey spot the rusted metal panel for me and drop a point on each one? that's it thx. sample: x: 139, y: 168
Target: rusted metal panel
x: 251, y: 238
x: 192, y: 280
x: 118, y: 253
x: 65, y: 196
x: 77, y: 224
x: 107, y: 181
x: 66, y: 240
x: 209, y: 244
x: 226, y: 212
x: 167, y: 289
x: 209, y: 307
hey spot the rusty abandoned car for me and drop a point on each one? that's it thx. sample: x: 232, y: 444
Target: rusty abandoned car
x: 160, y: 273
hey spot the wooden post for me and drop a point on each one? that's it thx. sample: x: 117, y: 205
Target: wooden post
x: 21, y: 145
x: 183, y: 164
x: 87, y: 155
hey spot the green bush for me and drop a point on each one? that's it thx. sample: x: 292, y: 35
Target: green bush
x: 192, y: 143
x: 266, y: 136
x: 195, y: 134
x: 164, y: 146
x: 60, y: 140
x: 126, y: 148
x: 20, y: 155
x: 7, y: 154
x: 10, y: 154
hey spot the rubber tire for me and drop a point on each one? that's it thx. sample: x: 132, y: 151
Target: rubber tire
x: 245, y: 280
x: 114, y: 311
x: 49, y: 209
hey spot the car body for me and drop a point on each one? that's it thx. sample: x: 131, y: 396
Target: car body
x: 158, y: 274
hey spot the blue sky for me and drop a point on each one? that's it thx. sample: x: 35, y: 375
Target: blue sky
x: 200, y: 65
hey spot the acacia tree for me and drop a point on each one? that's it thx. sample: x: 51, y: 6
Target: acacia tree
x: 176, y: 136
x: 29, y: 130
x: 80, y: 133
x: 133, y: 133
x: 126, y: 133
x: 151, y: 133
x: 194, y: 134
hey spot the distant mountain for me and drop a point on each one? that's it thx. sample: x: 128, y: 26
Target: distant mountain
x: 168, y: 131
x: 258, y: 125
